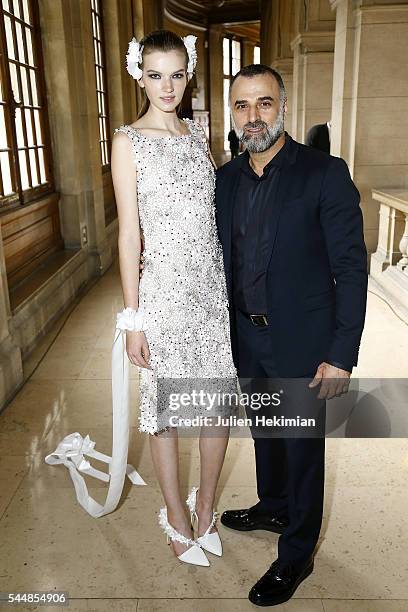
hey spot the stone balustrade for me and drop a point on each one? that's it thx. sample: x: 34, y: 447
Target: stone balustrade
x: 389, y: 263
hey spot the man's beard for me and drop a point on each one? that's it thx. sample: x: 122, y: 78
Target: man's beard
x: 257, y: 143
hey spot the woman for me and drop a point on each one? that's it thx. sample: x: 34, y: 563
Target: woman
x: 164, y: 180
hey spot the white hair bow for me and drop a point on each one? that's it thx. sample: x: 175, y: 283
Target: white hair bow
x: 189, y: 43
x: 135, y: 50
x: 133, y: 58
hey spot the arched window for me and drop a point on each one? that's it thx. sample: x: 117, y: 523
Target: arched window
x: 25, y: 152
x: 101, y: 82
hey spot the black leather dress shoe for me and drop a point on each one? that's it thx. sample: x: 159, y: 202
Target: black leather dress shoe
x: 279, y: 583
x: 249, y: 519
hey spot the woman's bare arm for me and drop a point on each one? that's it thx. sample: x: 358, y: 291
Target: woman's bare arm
x: 125, y: 186
x: 124, y: 183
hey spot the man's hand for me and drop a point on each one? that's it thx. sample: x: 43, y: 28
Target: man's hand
x: 334, y: 381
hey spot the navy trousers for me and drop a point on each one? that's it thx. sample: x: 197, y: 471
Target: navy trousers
x: 289, y: 471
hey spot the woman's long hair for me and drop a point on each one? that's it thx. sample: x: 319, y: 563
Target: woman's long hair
x: 160, y: 40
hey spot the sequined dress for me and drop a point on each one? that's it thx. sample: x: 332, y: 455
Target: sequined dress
x: 182, y: 287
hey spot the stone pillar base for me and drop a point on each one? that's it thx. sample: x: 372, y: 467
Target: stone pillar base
x: 11, y: 370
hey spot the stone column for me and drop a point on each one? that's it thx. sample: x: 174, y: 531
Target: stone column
x: 370, y: 98
x: 11, y: 368
x: 70, y: 76
x: 138, y: 30
x: 121, y: 87
x: 216, y: 91
x: 312, y: 80
x: 153, y: 13
x: 247, y: 52
x: 268, y: 25
x: 277, y: 24
x: 346, y: 48
x: 285, y: 68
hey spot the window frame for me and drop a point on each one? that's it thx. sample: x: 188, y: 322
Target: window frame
x: 22, y: 197
x: 106, y: 167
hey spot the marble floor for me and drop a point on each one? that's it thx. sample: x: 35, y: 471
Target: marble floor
x: 121, y: 561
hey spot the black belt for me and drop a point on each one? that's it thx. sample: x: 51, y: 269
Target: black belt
x: 259, y: 320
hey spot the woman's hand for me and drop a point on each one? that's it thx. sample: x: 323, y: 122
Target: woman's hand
x: 137, y: 348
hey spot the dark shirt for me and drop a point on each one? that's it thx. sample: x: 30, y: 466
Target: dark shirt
x: 253, y: 210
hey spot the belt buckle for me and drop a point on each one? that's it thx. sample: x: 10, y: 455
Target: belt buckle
x: 262, y: 317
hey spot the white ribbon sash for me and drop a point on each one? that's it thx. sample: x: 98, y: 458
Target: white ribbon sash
x: 71, y: 450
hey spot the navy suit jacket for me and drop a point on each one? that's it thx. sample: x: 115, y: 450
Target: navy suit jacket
x: 316, y: 280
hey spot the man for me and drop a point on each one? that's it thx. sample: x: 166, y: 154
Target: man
x: 234, y: 143
x: 291, y: 228
x: 319, y: 136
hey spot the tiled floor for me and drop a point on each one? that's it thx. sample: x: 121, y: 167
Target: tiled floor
x: 121, y: 561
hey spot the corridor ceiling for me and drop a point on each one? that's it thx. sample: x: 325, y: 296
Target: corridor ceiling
x: 205, y: 12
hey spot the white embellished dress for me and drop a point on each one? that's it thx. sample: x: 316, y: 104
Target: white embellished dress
x: 182, y: 288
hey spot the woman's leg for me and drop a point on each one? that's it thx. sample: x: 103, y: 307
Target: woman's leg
x: 213, y: 444
x: 164, y: 450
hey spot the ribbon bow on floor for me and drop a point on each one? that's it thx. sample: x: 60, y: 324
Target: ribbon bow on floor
x: 71, y: 450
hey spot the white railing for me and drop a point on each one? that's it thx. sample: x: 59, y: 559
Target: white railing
x: 389, y: 263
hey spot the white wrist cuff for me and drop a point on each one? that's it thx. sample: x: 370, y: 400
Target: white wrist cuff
x: 131, y: 319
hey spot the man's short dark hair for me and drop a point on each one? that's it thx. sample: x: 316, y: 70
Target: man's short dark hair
x: 256, y: 69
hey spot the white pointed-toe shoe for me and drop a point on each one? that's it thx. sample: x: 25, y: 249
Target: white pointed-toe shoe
x: 211, y: 542
x: 195, y: 554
